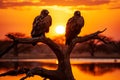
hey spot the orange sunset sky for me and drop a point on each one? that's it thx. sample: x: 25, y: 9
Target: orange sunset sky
x: 18, y: 15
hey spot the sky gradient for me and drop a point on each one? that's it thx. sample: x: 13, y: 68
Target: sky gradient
x: 18, y: 15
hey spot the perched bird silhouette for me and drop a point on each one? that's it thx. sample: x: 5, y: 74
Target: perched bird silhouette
x: 41, y: 24
x: 73, y: 27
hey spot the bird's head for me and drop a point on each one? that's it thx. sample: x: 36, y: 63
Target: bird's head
x: 44, y: 12
x: 77, y: 13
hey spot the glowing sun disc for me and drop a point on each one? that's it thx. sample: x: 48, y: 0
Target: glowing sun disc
x: 60, y: 29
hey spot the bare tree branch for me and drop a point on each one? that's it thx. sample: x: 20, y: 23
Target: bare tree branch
x: 15, y: 72
x: 56, y: 49
x: 51, y: 74
x: 83, y: 39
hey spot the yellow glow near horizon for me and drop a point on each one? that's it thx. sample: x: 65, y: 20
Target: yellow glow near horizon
x: 60, y: 29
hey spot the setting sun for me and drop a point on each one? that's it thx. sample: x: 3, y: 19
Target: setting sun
x: 60, y: 29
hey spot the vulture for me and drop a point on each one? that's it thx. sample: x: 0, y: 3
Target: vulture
x: 41, y: 24
x: 73, y: 27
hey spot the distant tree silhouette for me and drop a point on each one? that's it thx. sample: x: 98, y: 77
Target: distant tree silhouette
x: 16, y: 34
x: 93, y: 43
x: 6, y: 44
x: 110, y: 45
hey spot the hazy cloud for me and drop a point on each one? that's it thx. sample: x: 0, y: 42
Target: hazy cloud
x: 112, y: 4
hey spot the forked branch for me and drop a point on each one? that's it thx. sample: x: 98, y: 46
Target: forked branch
x: 83, y: 39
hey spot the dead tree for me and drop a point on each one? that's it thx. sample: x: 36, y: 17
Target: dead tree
x: 64, y: 71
